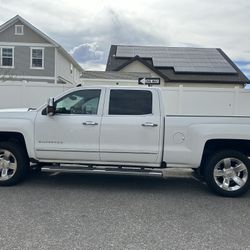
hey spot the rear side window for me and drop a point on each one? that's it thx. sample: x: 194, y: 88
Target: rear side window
x: 130, y: 102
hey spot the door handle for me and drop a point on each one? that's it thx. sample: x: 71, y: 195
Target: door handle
x: 149, y: 124
x: 91, y: 123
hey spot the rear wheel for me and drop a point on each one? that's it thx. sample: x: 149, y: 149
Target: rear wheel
x: 227, y: 173
x: 13, y: 163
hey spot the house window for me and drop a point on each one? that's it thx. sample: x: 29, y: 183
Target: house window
x: 19, y: 30
x: 37, y: 58
x: 7, y: 57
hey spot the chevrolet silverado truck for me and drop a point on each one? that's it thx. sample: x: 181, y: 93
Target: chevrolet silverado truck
x: 124, y: 130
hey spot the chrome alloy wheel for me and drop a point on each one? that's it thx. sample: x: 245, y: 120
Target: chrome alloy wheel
x: 8, y: 165
x: 230, y: 174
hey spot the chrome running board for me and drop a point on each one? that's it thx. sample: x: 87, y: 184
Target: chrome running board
x: 104, y: 170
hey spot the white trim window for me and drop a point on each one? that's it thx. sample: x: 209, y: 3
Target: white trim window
x: 37, y: 58
x: 7, y: 57
x: 19, y: 30
x: 71, y: 68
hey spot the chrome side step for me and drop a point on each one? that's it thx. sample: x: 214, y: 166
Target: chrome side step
x: 104, y: 170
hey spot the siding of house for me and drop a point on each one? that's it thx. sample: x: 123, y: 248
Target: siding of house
x: 58, y: 65
x: 63, y: 69
x: 137, y: 66
x: 22, y: 63
x: 29, y: 36
x: 22, y: 55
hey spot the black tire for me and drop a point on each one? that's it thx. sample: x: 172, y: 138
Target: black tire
x: 221, y: 179
x: 22, y: 162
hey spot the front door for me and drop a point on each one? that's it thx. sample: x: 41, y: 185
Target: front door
x: 130, y: 129
x: 72, y: 134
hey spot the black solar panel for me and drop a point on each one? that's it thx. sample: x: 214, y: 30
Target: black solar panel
x: 181, y: 59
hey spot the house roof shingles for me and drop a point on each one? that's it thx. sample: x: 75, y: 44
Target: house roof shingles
x: 199, y: 65
x: 113, y: 75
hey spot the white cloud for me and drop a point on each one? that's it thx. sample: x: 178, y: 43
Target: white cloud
x: 246, y: 67
x: 93, y: 66
x: 87, y: 52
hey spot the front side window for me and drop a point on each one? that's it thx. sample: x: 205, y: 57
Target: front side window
x: 79, y: 102
x: 7, y: 57
x: 37, y: 58
x: 130, y: 102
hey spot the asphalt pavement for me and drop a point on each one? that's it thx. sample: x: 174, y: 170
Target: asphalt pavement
x: 72, y: 211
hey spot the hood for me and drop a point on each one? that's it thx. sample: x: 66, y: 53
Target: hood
x: 14, y: 110
x: 19, y: 113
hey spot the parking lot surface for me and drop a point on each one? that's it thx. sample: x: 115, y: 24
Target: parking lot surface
x: 66, y: 211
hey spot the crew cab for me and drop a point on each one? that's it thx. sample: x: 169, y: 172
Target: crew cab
x: 124, y: 130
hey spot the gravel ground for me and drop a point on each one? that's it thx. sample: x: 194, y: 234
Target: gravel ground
x: 67, y: 211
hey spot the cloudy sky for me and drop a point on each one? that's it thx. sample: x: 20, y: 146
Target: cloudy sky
x: 87, y: 28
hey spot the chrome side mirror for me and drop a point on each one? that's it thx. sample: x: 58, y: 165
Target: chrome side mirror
x: 50, y: 110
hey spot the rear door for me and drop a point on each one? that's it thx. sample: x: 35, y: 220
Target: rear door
x: 131, y: 125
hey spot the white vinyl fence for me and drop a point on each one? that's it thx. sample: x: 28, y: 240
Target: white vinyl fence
x: 177, y: 100
x: 206, y: 101
x: 28, y: 95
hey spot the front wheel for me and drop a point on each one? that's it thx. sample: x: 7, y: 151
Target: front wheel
x: 13, y: 163
x: 227, y: 173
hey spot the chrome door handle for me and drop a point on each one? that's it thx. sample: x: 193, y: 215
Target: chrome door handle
x: 90, y: 123
x: 149, y: 124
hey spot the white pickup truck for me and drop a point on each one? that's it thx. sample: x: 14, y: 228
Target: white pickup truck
x: 124, y: 130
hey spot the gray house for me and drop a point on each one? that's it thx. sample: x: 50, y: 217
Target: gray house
x: 175, y: 66
x: 27, y: 54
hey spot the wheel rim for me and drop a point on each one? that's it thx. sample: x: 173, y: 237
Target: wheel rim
x: 230, y: 174
x: 8, y: 165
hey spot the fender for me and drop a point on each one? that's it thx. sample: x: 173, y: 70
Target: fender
x: 194, y: 132
x: 20, y: 122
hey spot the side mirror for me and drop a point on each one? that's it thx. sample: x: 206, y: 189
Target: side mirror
x: 50, y: 110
